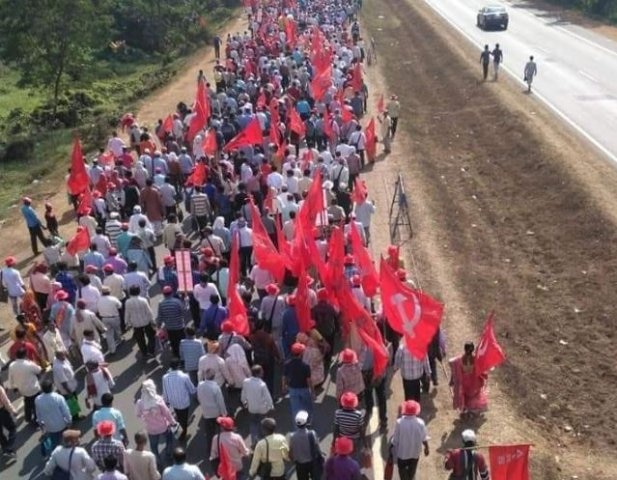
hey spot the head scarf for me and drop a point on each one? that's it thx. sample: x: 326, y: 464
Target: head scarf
x: 149, y: 396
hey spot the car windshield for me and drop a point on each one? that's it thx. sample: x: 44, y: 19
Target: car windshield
x: 495, y: 10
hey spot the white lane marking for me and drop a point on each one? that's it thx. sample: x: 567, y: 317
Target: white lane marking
x: 586, y: 75
x: 543, y: 99
x: 587, y: 41
x: 543, y: 50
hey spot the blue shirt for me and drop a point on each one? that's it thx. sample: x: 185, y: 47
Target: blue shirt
x: 182, y: 472
x: 52, y: 411
x: 171, y: 313
x: 30, y: 215
x: 303, y: 107
x: 191, y: 350
x: 290, y: 328
x: 212, y: 317
x: 68, y: 285
x: 94, y: 258
x: 177, y: 389
x: 111, y: 414
x: 169, y: 278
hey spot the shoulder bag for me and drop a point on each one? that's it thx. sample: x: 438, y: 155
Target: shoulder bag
x: 60, y: 473
x: 265, y: 468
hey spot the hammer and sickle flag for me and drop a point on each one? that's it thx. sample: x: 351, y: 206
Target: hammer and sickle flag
x: 409, y: 312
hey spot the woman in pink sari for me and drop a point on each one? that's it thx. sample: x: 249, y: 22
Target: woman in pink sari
x: 468, y: 389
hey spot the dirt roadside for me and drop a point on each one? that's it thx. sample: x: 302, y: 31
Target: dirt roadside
x: 14, y: 238
x: 512, y: 212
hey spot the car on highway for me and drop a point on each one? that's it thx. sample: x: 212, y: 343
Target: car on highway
x: 493, y: 16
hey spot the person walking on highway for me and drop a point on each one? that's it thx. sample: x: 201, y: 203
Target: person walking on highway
x: 531, y: 70
x: 485, y: 60
x: 497, y: 54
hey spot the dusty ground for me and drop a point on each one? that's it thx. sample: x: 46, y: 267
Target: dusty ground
x: 513, y: 213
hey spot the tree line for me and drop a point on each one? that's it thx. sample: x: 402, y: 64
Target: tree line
x: 52, y: 42
x: 606, y: 9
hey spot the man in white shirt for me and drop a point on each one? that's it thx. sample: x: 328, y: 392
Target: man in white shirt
x: 13, y: 283
x: 24, y: 377
x: 261, y: 278
x: 88, y: 293
x: 203, y: 291
x: 275, y: 179
x: 212, y: 361
x: 245, y: 246
x: 256, y: 398
x: 109, y: 310
x: 115, y: 144
x: 212, y: 404
x: 364, y: 211
x: 91, y: 350
x: 113, y: 281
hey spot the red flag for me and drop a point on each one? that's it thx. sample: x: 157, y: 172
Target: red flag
x: 199, y: 175
x: 78, y: 180
x: 237, y: 309
x: 356, y: 80
x: 290, y: 32
x: 509, y: 462
x: 321, y: 82
x: 295, y: 123
x: 312, y: 206
x: 101, y: 185
x: 283, y: 245
x: 168, y: 124
x: 209, y: 144
x: 327, y: 125
x: 303, y: 309
x: 370, y: 279
x: 85, y: 202
x: 380, y: 104
x: 371, y: 140
x: 80, y: 242
x: 251, y: 135
x: 266, y: 254
x: 346, y: 114
x: 225, y: 470
x: 367, y: 328
x: 489, y: 353
x: 410, y: 312
x: 201, y: 110
x: 261, y: 100
x: 360, y: 191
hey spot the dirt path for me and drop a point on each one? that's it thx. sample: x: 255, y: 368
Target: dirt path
x: 513, y: 213
x: 14, y: 238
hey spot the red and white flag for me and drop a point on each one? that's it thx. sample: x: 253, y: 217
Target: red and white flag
x: 489, y: 353
x: 509, y: 462
x: 410, y: 312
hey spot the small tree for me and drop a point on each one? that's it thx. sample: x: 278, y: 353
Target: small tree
x: 49, y: 40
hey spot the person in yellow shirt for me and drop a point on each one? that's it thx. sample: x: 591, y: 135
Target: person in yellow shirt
x: 271, y: 452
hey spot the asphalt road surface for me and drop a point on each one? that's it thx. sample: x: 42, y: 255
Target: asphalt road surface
x: 576, y: 67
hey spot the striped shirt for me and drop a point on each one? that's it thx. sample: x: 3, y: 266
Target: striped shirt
x: 191, y: 350
x: 200, y: 205
x: 106, y: 447
x: 112, y: 230
x: 137, y: 312
x: 171, y: 314
x: 349, y: 423
x: 177, y: 389
x: 411, y: 367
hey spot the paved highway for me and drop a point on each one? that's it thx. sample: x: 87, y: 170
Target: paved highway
x: 576, y: 67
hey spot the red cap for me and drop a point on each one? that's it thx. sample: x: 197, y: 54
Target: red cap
x: 227, y: 326
x: 349, y: 400
x: 349, y: 260
x: 272, y: 289
x: 410, y: 407
x: 61, y: 295
x: 91, y: 269
x: 322, y: 294
x: 207, y: 251
x: 108, y: 267
x: 291, y: 299
x: 167, y: 290
x: 96, y: 194
x: 10, y: 261
x: 105, y: 428
x: 343, y: 446
x: 401, y: 273
x: 356, y: 280
x: 226, y: 423
x: 392, y: 250
x: 168, y: 260
x: 298, y: 348
x: 349, y: 356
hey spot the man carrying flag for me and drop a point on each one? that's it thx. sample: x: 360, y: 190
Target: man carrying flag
x: 469, y: 373
x: 466, y: 463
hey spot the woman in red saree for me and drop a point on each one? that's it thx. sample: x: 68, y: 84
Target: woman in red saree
x: 468, y: 389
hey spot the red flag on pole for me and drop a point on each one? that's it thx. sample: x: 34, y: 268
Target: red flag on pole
x: 356, y: 80
x: 78, y: 180
x: 509, y: 462
x: 237, y: 309
x: 410, y: 312
x: 209, y: 144
x: 225, y: 470
x: 167, y: 127
x: 303, y: 309
x: 371, y: 140
x: 266, y: 254
x: 283, y: 245
x: 360, y: 191
x: 199, y: 175
x: 251, y: 135
x: 346, y: 114
x: 370, y: 278
x: 327, y: 125
x: 85, y: 202
x: 295, y: 123
x: 80, y: 242
x: 201, y: 111
x: 489, y: 353
x: 380, y: 104
x: 321, y: 82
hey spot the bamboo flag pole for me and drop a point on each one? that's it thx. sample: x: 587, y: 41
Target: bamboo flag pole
x: 489, y: 446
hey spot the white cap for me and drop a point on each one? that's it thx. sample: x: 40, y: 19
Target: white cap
x: 301, y: 418
x: 469, y: 435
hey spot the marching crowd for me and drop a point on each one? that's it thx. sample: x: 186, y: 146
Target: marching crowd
x: 268, y: 287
